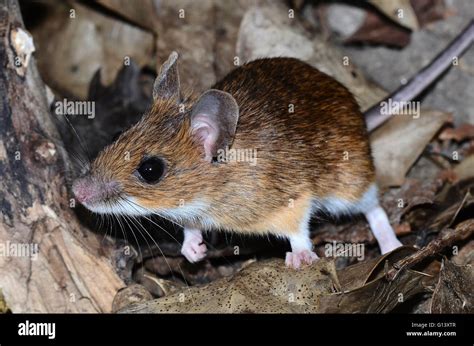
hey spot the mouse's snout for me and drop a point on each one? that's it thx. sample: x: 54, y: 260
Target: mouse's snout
x: 83, y: 190
x: 90, y: 191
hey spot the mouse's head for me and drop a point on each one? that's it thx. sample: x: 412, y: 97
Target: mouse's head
x: 163, y: 162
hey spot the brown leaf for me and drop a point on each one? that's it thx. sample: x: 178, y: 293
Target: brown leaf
x: 448, y: 238
x: 402, y: 229
x: 428, y: 11
x: 454, y: 292
x: 356, y: 232
x: 270, y: 287
x: 265, y: 286
x: 71, y: 50
x: 465, y: 255
x: 399, y: 142
x: 378, y: 296
x: 376, y: 30
x: 359, y: 274
x: 465, y: 170
x: 448, y: 175
x: 159, y: 287
x: 458, y: 134
x: 130, y: 295
x: 450, y: 210
x: 412, y: 194
x: 400, y: 11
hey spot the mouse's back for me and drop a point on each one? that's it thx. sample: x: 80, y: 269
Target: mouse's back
x: 306, y: 126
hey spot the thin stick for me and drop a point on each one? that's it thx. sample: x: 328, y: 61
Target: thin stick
x: 408, y: 92
x: 461, y: 232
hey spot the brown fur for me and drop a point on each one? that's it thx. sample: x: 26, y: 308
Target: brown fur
x: 300, y: 155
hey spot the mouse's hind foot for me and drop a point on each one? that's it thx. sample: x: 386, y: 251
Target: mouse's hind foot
x: 298, y: 259
x: 382, y: 230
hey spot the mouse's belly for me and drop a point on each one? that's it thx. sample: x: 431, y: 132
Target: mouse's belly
x: 278, y: 212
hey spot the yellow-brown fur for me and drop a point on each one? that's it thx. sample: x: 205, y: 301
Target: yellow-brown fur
x: 320, y: 150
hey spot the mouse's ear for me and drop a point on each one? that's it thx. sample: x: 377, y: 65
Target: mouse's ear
x: 167, y: 83
x: 214, y: 120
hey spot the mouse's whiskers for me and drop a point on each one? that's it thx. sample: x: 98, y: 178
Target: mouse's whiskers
x: 163, y: 214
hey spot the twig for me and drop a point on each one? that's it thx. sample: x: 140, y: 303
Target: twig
x: 461, y: 232
x: 424, y: 78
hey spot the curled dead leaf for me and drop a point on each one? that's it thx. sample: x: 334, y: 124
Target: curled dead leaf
x: 458, y: 134
x: 130, y: 295
x: 266, y: 286
x: 375, y: 30
x: 398, y: 143
x: 453, y: 292
x: 400, y: 11
x: 270, y: 287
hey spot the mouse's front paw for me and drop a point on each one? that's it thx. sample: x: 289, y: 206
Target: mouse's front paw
x: 297, y: 259
x: 193, y: 248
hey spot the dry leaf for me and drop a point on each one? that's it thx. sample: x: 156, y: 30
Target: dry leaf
x: 205, y: 37
x: 357, y: 275
x: 465, y: 255
x: 130, y: 295
x: 270, y: 287
x: 159, y: 287
x: 454, y: 292
x: 458, y: 134
x: 413, y: 193
x: 71, y: 50
x: 266, y: 286
x: 400, y: 11
x: 399, y: 142
x: 428, y: 11
x: 450, y: 210
x: 202, y: 32
x: 376, y: 30
x: 465, y: 169
x: 194, y: 274
x: 378, y: 296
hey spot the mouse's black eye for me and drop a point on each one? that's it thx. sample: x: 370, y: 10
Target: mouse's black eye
x: 151, y: 170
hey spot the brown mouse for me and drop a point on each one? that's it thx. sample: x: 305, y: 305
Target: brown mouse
x: 267, y: 146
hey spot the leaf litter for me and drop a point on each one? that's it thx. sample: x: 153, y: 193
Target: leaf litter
x: 427, y: 193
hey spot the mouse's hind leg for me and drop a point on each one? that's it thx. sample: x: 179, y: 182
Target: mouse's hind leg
x: 382, y: 229
x: 301, y: 245
x: 378, y: 221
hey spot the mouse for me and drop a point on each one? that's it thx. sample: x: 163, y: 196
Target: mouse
x: 266, y: 147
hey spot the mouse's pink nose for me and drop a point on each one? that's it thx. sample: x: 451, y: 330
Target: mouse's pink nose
x: 90, y: 190
x: 84, y: 190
